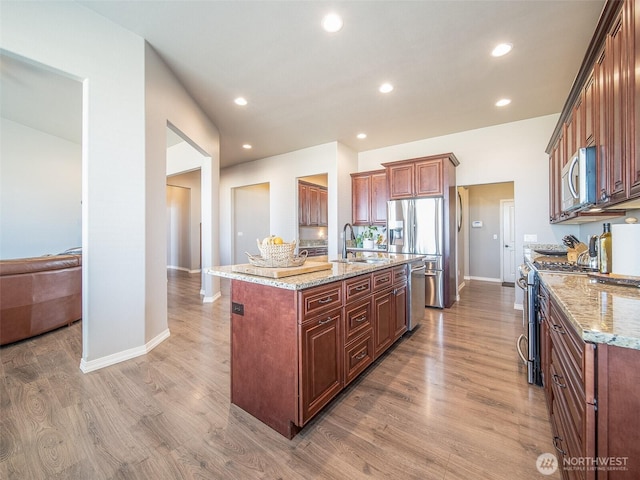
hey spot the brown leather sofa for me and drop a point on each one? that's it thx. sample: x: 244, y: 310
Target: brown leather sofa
x: 38, y: 295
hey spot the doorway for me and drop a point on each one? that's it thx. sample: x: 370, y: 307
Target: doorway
x: 483, y: 226
x: 251, y: 219
x: 508, y: 242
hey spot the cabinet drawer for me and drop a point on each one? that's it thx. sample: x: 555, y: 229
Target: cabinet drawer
x: 357, y: 318
x: 565, y: 337
x: 357, y: 356
x: 567, y: 390
x: 357, y: 287
x: 319, y: 299
x: 399, y: 274
x: 382, y: 279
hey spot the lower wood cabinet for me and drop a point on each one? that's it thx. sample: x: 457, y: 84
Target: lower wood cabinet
x: 321, y: 350
x: 593, y: 393
x: 293, y: 351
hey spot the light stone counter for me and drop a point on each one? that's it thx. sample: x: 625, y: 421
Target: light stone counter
x: 339, y: 271
x: 602, y: 313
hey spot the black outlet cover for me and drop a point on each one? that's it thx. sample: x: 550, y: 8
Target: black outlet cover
x: 237, y: 308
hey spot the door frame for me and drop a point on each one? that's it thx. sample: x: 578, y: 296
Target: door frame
x: 504, y: 203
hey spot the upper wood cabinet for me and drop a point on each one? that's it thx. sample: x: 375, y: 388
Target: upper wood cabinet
x: 369, y: 198
x: 312, y: 205
x: 419, y: 177
x: 603, y: 107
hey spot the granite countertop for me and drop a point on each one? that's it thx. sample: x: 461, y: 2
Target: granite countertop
x: 339, y: 271
x: 602, y: 313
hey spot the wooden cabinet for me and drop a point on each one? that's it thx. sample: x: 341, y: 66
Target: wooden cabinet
x: 369, y: 198
x: 312, y: 205
x: 389, y: 308
x: 568, y: 367
x: 603, y: 109
x: 321, y: 355
x: 293, y: 351
x: 572, y: 379
x: 421, y: 177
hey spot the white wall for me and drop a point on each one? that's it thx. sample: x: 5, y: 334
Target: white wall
x: 40, y: 192
x: 123, y: 176
x: 110, y: 62
x: 282, y: 172
x: 503, y: 153
x: 167, y: 102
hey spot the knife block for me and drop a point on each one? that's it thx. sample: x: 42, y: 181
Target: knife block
x: 572, y: 253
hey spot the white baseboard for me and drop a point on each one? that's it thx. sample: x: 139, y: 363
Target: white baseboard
x: 183, y: 269
x: 211, y: 299
x: 484, y: 279
x: 98, y: 363
x: 518, y: 306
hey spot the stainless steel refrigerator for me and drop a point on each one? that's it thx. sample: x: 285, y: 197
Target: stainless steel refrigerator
x: 416, y: 226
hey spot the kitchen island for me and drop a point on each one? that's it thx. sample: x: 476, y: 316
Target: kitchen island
x: 297, y: 341
x: 590, y: 352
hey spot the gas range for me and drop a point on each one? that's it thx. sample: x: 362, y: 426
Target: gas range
x: 560, y: 267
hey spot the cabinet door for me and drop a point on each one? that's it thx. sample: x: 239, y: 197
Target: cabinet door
x: 360, y: 203
x: 314, y: 205
x: 634, y: 101
x: 400, y: 310
x: 428, y: 178
x: 323, y: 221
x: 321, y: 362
x: 589, y: 109
x: 379, y: 197
x: 400, y: 181
x: 617, y: 73
x: 383, y: 322
x: 602, y: 130
x: 303, y: 204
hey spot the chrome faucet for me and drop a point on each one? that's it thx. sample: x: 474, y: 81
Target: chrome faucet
x: 344, y: 238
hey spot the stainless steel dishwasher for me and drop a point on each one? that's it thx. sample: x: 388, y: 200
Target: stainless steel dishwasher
x: 416, y: 295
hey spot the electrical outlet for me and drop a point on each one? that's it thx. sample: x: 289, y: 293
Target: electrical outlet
x: 237, y: 308
x: 530, y: 237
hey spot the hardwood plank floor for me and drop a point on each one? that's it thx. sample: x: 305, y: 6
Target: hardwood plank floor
x: 449, y: 401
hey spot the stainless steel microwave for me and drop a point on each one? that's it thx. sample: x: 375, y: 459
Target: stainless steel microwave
x: 578, y: 185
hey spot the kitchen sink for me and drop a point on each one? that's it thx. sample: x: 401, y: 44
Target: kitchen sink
x: 362, y: 260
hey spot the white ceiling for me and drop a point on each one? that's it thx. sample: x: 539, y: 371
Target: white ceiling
x: 306, y: 87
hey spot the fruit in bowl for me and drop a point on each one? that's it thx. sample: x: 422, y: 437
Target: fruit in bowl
x: 272, y: 240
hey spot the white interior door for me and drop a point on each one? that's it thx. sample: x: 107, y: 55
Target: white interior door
x: 508, y: 234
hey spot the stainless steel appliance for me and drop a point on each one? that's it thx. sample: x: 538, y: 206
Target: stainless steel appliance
x: 578, y: 184
x: 530, y: 354
x: 416, y: 226
x: 528, y: 344
x: 416, y: 290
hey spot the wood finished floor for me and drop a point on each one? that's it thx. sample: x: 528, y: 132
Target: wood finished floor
x: 448, y: 402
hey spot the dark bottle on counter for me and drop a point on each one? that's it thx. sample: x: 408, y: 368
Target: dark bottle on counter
x: 605, y: 249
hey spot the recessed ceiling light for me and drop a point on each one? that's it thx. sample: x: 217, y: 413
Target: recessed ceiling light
x: 362, y: 136
x: 385, y: 88
x: 501, y: 49
x: 332, y: 23
x: 503, y: 102
x: 240, y: 101
x: 246, y: 146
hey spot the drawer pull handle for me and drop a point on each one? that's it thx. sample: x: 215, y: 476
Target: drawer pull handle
x: 558, y: 329
x: 556, y: 380
x: 556, y: 441
x: 325, y: 300
x: 360, y: 319
x: 361, y: 355
x: 322, y: 322
x: 360, y: 288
